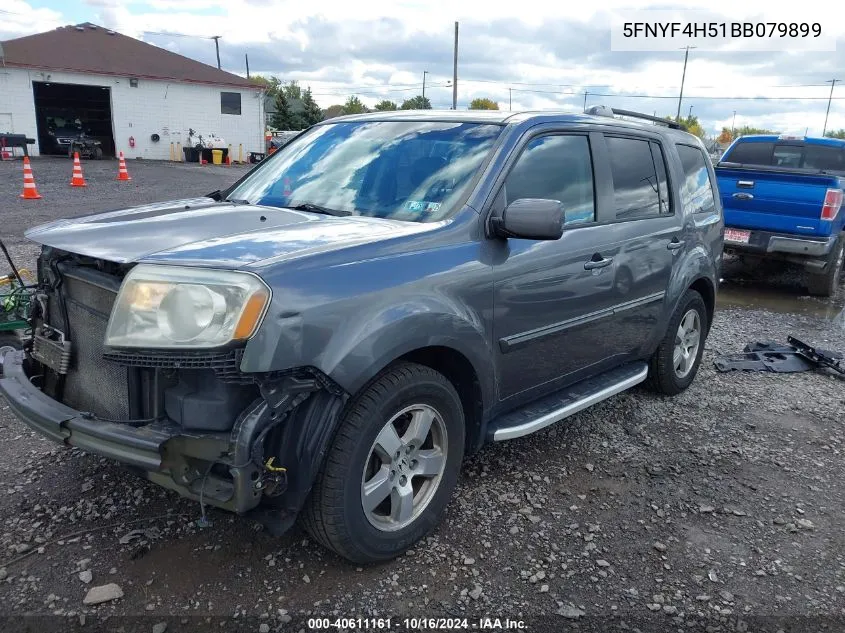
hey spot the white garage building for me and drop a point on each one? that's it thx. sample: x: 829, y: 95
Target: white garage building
x: 134, y: 97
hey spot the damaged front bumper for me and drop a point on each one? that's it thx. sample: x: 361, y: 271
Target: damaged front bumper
x: 218, y: 466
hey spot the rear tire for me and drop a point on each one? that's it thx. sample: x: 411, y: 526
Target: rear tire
x: 377, y: 460
x: 825, y: 285
x: 673, y: 366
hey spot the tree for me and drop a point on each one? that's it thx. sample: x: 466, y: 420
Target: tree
x: 840, y: 133
x: 483, y: 104
x: 745, y: 130
x: 354, y: 105
x: 690, y: 124
x: 385, y: 105
x: 332, y: 111
x: 270, y: 84
x: 312, y: 114
x: 284, y: 118
x: 416, y: 103
x: 292, y: 90
x: 725, y: 136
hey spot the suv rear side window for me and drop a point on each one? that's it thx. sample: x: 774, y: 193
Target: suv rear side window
x: 696, y: 190
x: 556, y: 167
x: 636, y: 184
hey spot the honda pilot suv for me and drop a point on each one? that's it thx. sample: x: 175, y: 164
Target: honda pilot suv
x: 330, y: 336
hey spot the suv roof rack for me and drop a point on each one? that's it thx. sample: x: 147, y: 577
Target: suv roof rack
x: 602, y: 110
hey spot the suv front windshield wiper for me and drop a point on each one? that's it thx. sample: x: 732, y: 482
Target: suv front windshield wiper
x: 317, y: 208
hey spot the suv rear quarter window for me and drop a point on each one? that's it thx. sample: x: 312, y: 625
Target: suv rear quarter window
x: 696, y: 189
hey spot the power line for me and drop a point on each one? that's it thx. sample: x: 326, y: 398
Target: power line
x: 172, y: 34
x: 642, y: 96
x: 581, y: 85
x: 376, y: 90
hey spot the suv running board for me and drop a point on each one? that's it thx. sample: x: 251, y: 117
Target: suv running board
x: 561, y: 404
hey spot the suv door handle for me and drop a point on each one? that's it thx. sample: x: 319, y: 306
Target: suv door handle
x: 597, y: 263
x: 675, y: 244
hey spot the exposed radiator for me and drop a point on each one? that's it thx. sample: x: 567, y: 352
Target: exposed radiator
x: 92, y: 383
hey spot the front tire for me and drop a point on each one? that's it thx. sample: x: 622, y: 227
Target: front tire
x: 825, y: 285
x: 392, y: 466
x: 674, y: 365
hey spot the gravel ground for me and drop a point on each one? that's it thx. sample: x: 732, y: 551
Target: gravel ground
x: 720, y: 509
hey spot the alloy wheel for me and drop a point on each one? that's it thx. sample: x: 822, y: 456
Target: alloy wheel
x: 404, y: 467
x: 687, y: 342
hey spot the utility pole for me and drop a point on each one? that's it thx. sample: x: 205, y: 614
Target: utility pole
x: 246, y: 57
x: 585, y: 100
x: 216, y: 39
x: 832, y: 83
x: 455, y: 73
x: 510, y: 99
x: 425, y: 72
x: 683, y: 78
x: 733, y: 125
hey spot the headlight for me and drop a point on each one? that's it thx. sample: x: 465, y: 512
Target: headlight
x: 179, y: 307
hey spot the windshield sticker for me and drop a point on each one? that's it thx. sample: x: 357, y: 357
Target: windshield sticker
x: 421, y: 205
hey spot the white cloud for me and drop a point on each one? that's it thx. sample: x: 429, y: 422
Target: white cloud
x: 549, y: 54
x: 19, y: 18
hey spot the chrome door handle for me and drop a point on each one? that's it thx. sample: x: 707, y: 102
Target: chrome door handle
x: 598, y: 263
x: 675, y: 244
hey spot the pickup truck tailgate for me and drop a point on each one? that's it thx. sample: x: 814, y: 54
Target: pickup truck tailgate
x: 772, y: 201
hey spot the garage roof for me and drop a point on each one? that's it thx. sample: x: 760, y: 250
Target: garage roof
x: 88, y: 48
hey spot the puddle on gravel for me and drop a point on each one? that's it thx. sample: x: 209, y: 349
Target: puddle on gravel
x: 781, y: 300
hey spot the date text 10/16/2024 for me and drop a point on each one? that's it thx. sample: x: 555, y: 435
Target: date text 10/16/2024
x: 416, y: 624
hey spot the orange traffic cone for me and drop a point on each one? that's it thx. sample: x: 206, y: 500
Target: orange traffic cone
x: 77, y: 180
x: 122, y: 174
x: 29, y: 190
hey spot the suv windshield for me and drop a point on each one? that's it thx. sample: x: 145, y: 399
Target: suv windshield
x: 404, y: 170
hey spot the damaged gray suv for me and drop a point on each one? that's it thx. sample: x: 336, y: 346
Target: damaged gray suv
x: 330, y: 336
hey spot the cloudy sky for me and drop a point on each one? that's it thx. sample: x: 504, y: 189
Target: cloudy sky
x: 526, y: 54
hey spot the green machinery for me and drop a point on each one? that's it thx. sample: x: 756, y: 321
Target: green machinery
x: 16, y: 290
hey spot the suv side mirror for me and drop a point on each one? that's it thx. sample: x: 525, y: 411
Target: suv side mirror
x: 531, y: 219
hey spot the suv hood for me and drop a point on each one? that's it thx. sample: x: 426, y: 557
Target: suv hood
x: 199, y: 231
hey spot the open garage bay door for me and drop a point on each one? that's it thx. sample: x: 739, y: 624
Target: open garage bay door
x: 62, y: 110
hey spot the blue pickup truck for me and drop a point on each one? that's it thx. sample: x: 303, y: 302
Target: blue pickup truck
x: 782, y: 197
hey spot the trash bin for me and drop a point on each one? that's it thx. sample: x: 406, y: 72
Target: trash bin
x: 217, y: 156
